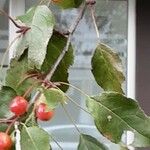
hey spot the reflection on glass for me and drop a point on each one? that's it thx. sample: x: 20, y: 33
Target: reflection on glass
x: 111, y: 17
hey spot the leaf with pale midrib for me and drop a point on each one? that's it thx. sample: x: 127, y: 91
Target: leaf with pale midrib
x: 88, y: 142
x: 114, y: 113
x: 107, y: 69
x: 34, y: 138
x: 41, y: 21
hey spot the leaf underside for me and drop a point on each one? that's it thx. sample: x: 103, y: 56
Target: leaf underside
x: 41, y: 21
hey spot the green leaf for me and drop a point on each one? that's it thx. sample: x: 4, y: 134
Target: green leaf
x: 34, y: 138
x: 29, y: 119
x: 68, y: 3
x: 106, y: 68
x: 114, y: 113
x: 17, y: 72
x: 41, y: 21
x: 123, y: 148
x: 55, y: 47
x: 87, y: 142
x: 54, y: 97
x: 6, y: 95
x: 3, y: 127
x: 141, y: 141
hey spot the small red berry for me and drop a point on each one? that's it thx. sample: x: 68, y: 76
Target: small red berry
x: 5, y: 141
x: 42, y: 113
x: 18, y: 105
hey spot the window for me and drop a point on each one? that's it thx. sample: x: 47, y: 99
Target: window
x: 116, y: 30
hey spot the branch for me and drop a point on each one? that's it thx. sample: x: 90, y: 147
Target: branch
x: 66, y: 48
x: 4, y: 13
x: 70, y: 118
x: 94, y: 20
x: 22, y: 29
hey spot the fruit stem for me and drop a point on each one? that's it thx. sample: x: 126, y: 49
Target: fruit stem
x: 70, y: 118
x: 64, y: 83
x: 66, y: 48
x: 11, y: 124
x: 74, y: 102
x: 5, y: 121
x: 22, y: 29
x: 4, y: 13
x: 92, y: 11
x: 56, y: 142
x: 29, y: 90
x: 28, y: 76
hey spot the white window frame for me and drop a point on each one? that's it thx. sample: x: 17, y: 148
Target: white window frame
x: 17, y: 7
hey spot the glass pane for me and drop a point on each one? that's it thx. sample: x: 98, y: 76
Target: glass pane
x: 111, y: 17
x: 3, y: 35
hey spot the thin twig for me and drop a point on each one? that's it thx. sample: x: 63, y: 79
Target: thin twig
x: 29, y: 90
x: 56, y: 142
x: 26, y: 77
x: 76, y: 104
x: 70, y: 118
x: 4, y: 13
x: 66, y: 48
x: 64, y: 83
x: 94, y: 20
x: 11, y: 124
x: 80, y: 16
x: 50, y: 74
x: 5, y: 121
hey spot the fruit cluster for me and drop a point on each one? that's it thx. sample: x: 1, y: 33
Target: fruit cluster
x: 19, y: 106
